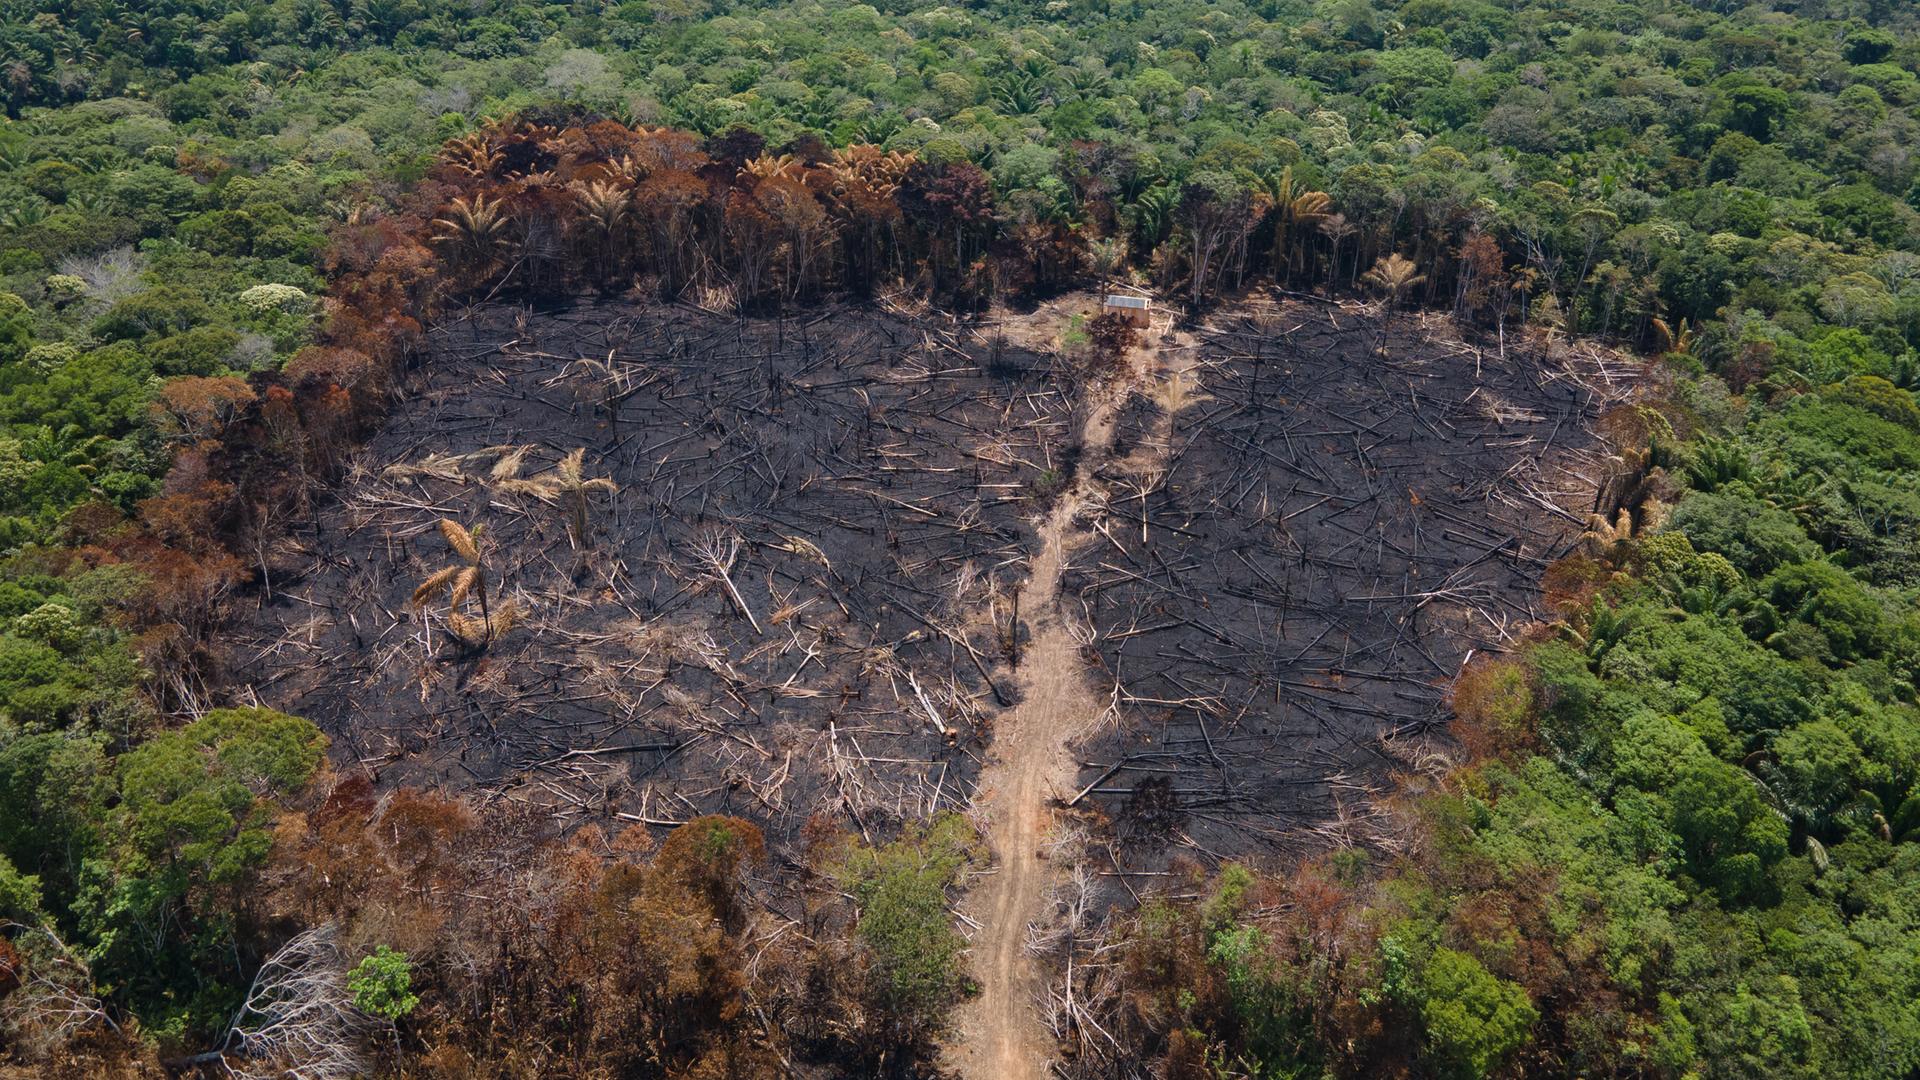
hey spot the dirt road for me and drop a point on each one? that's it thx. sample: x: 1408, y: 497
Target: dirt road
x: 1001, y: 1034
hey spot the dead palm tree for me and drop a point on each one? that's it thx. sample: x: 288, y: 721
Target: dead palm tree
x: 1603, y: 535
x: 576, y: 490
x: 604, y: 211
x: 602, y: 204
x: 870, y: 166
x: 768, y: 167
x: 475, y: 155
x: 1634, y: 485
x: 1337, y: 229
x: 1178, y: 392
x: 1394, y: 274
x: 463, y: 581
x: 570, y: 487
x: 522, y: 133
x: 629, y: 168
x: 473, y: 231
x: 506, y: 468
x: 1668, y: 340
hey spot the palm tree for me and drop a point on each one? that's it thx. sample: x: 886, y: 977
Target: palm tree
x: 473, y: 230
x: 26, y: 214
x: 1087, y: 84
x: 604, y: 209
x: 768, y: 167
x: 878, y: 127
x: 1153, y: 213
x: 569, y: 486
x: 69, y: 446
x: 1394, y: 275
x: 1020, y: 93
x: 77, y: 53
x: 1305, y: 213
x: 464, y: 580
x: 1296, y: 212
x: 474, y: 155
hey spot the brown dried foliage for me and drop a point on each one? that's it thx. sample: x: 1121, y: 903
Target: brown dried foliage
x: 1493, y: 708
x: 578, y: 957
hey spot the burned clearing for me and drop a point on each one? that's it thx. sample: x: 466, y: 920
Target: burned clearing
x: 1321, y: 516
x: 792, y: 603
x: 771, y: 567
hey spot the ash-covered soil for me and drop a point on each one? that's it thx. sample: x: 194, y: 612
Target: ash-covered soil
x: 799, y: 599
x: 1303, y: 541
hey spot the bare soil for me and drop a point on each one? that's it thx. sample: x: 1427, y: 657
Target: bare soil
x: 1001, y: 1034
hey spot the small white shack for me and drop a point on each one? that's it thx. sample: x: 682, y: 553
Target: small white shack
x: 1134, y: 308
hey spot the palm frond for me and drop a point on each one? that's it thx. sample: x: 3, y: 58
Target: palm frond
x: 804, y: 548
x: 465, y: 581
x: 460, y: 540
x: 504, y: 618
x: 508, y: 467
x: 431, y: 587
x: 470, y: 631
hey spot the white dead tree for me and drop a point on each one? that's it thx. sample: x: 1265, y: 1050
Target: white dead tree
x: 1070, y: 936
x: 55, y: 1002
x: 717, y: 549
x: 299, y: 1021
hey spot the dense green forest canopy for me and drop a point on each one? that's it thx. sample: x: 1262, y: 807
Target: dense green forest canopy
x: 1682, y: 843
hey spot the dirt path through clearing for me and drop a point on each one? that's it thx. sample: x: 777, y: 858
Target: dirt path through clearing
x: 1001, y: 1034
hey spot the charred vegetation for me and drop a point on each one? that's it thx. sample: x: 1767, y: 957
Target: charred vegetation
x: 1320, y: 520
x: 794, y: 590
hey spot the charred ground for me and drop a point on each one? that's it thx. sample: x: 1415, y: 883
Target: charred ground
x: 801, y: 598
x: 1319, y: 523
x: 792, y: 593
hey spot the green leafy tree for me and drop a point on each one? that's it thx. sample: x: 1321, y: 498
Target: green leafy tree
x: 1755, y: 109
x: 1474, y: 1020
x: 382, y: 985
x: 901, y: 888
x: 19, y: 894
x: 194, y: 822
x: 16, y: 328
x: 1729, y: 834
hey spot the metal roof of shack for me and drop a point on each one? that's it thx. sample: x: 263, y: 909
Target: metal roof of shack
x: 1117, y: 300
